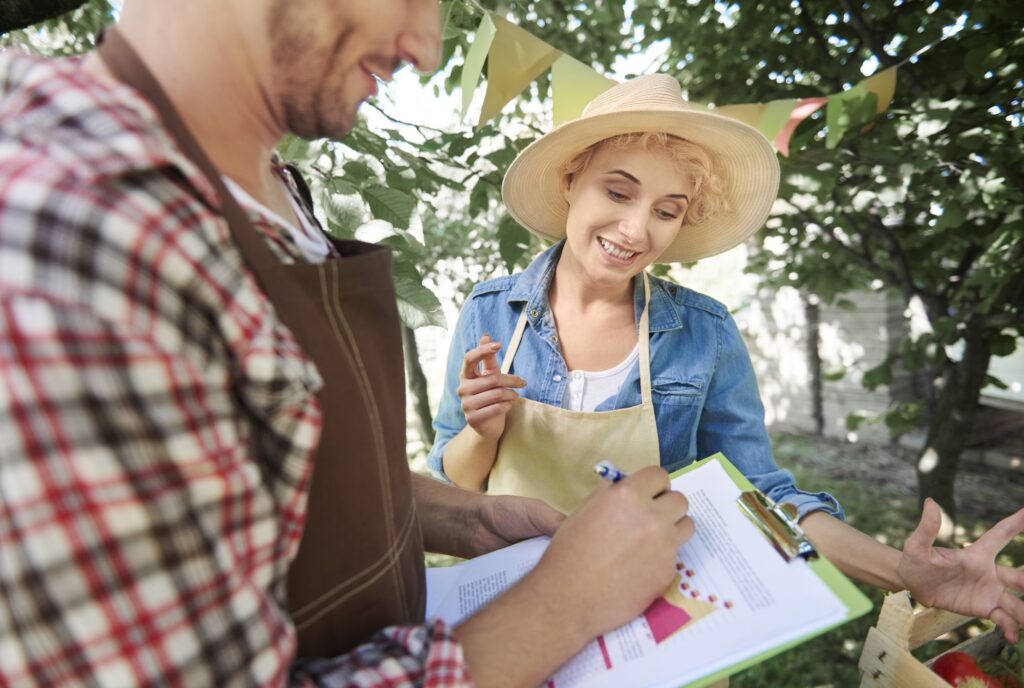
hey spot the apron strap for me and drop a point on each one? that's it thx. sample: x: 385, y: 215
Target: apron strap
x: 644, y: 336
x: 513, y: 345
x: 645, y: 345
x: 125, y: 64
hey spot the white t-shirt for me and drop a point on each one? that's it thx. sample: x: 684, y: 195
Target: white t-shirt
x: 308, y: 237
x: 586, y: 390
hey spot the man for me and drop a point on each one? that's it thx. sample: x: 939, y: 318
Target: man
x: 168, y: 375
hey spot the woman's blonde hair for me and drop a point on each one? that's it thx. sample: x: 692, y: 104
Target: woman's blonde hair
x: 709, y: 187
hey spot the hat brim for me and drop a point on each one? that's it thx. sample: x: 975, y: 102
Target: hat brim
x: 532, y: 189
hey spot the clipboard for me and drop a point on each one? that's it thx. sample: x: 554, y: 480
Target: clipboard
x: 856, y: 603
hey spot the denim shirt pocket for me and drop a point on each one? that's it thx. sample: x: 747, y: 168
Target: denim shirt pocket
x: 678, y: 392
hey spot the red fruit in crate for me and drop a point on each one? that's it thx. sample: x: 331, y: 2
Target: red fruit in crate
x: 960, y: 669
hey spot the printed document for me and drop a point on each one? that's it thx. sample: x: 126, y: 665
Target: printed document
x: 733, y: 598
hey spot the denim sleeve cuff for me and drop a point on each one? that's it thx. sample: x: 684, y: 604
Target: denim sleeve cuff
x: 808, y: 502
x: 435, y: 463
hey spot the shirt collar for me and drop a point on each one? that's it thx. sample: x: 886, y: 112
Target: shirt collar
x: 534, y: 283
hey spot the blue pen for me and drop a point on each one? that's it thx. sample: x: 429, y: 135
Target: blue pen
x: 608, y: 471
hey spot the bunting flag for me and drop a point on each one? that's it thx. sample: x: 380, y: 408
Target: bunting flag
x: 804, y: 109
x: 515, y: 58
x: 573, y: 85
x: 475, y: 60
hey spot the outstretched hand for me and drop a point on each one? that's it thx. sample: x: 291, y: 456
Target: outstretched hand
x: 966, y: 581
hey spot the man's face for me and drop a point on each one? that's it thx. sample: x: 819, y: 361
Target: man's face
x: 327, y: 54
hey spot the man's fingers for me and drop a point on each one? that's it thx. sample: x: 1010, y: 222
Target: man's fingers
x: 685, y: 529
x: 545, y: 518
x: 650, y: 481
x: 999, y: 535
x: 920, y: 541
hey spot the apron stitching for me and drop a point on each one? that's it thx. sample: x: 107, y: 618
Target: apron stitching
x: 333, y: 296
x: 383, y: 565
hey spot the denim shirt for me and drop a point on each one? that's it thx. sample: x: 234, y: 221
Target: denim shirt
x: 705, y: 395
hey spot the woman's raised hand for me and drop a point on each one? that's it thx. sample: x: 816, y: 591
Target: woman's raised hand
x: 485, y: 392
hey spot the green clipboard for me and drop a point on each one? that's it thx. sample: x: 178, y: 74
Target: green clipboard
x: 854, y: 600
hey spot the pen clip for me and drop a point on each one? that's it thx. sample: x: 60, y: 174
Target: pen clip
x: 778, y: 525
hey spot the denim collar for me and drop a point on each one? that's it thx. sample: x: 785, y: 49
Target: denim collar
x: 534, y: 283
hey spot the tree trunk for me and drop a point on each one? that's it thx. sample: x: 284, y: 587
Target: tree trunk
x: 812, y: 314
x: 950, y: 425
x: 417, y: 385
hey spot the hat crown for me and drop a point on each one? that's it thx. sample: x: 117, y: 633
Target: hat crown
x: 651, y: 92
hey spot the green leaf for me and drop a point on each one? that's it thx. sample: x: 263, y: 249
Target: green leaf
x: 846, y: 110
x: 359, y: 172
x: 513, y: 242
x: 878, y: 376
x: 417, y: 305
x: 1003, y: 344
x: 340, y: 186
x: 391, y: 205
x: 479, y: 198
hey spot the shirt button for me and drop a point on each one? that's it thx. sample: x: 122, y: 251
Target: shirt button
x: 534, y: 312
x: 557, y: 378
x: 554, y: 338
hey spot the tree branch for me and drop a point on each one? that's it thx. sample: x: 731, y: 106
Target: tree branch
x: 861, y: 259
x: 808, y: 22
x: 875, y: 46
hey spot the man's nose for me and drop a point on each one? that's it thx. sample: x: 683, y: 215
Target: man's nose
x: 420, y: 43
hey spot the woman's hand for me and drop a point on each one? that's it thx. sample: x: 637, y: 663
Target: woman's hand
x: 485, y: 392
x: 966, y: 581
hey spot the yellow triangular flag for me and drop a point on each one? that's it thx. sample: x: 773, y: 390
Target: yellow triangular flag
x: 748, y: 113
x: 883, y: 85
x: 774, y: 117
x: 475, y: 59
x: 573, y: 85
x: 516, y: 58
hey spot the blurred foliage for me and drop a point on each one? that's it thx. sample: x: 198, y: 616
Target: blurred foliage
x: 924, y: 201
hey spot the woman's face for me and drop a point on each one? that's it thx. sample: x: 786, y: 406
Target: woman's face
x: 625, y: 209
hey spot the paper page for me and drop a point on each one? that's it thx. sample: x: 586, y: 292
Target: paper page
x: 733, y: 598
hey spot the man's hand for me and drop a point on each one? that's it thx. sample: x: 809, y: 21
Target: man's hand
x: 503, y: 520
x: 616, y: 553
x: 467, y: 524
x: 966, y: 581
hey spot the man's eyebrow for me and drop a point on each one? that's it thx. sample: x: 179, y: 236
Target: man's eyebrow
x: 633, y: 179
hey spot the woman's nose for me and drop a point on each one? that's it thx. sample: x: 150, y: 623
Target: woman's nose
x: 632, y: 225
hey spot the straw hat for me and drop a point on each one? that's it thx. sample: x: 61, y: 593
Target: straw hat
x: 742, y: 157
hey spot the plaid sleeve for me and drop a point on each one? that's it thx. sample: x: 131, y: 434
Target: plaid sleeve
x: 134, y: 547
x: 397, y: 657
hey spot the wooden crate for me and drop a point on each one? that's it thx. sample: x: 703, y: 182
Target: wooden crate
x: 886, y: 661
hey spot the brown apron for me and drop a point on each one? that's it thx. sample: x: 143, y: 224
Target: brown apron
x: 359, y: 567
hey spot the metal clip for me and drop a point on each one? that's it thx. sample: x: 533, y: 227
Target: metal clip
x: 778, y: 524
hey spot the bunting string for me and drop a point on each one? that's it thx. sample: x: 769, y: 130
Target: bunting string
x: 515, y: 57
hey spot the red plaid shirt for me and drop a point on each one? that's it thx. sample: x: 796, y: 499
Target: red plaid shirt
x: 142, y: 539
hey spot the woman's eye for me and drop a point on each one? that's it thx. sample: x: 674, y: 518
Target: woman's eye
x: 616, y: 196
x: 665, y: 215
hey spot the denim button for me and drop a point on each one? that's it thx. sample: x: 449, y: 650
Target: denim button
x: 533, y: 312
x: 557, y: 378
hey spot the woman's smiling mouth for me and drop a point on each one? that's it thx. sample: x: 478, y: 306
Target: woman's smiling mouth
x: 615, y: 251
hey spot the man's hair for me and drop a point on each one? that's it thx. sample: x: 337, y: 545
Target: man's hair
x: 709, y: 186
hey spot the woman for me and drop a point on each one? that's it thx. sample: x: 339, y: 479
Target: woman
x: 604, y: 361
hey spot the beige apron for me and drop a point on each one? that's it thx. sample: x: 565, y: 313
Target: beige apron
x: 549, y: 452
